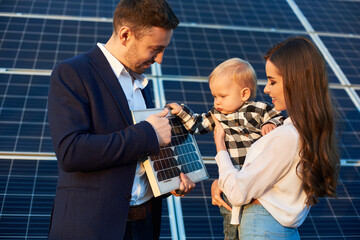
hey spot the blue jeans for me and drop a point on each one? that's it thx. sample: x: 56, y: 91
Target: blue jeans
x: 230, y: 231
x: 257, y: 223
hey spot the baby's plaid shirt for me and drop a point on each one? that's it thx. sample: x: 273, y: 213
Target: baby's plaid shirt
x: 242, y: 127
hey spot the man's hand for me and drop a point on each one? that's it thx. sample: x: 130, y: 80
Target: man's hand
x: 175, y: 108
x: 161, y: 126
x: 216, y: 198
x: 266, y: 128
x: 185, y: 187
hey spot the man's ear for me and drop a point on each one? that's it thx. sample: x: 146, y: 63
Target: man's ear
x: 245, y: 94
x: 124, y: 34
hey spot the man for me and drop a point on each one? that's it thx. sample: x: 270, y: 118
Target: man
x: 103, y: 191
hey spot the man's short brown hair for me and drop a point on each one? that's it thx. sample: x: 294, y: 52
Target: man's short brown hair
x: 140, y: 15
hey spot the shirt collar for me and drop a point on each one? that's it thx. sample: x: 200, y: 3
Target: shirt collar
x: 288, y: 121
x: 140, y: 80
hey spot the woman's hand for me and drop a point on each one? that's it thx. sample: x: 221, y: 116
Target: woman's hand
x: 219, y: 135
x: 216, y: 198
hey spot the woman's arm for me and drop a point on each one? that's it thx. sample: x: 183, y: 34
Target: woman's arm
x: 216, y: 198
x: 219, y: 135
x: 265, y: 164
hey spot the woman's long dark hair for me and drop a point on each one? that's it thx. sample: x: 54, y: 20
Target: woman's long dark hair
x: 309, y: 105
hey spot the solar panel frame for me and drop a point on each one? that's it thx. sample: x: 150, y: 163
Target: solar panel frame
x: 181, y: 155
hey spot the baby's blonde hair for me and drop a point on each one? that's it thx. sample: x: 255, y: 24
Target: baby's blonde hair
x: 241, y: 72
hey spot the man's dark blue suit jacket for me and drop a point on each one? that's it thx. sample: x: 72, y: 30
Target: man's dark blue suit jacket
x: 97, y: 147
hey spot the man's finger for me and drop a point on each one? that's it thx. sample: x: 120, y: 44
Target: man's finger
x: 163, y: 113
x: 189, y: 185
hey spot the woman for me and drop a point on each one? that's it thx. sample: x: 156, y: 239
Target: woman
x: 286, y: 171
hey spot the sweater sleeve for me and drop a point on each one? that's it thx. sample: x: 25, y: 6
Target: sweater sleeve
x: 270, y: 115
x: 195, y: 123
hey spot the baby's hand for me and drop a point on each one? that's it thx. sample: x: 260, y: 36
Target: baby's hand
x: 266, y: 128
x: 175, y: 108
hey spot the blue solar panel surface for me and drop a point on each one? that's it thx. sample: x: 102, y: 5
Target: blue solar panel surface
x: 237, y: 13
x: 210, y: 32
x: 90, y: 8
x: 196, y: 52
x: 230, y: 12
x: 23, y: 114
x: 192, y: 51
x: 346, y: 52
x: 27, y: 190
x: 332, y: 16
x: 41, y: 43
x: 330, y: 219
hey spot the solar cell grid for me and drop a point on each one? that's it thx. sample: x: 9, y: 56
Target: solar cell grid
x: 23, y: 115
x: 41, y: 43
x: 27, y: 195
x: 90, y: 8
x: 332, y: 16
x: 348, y: 124
x: 196, y: 52
x: 241, y: 13
x: 180, y: 156
x: 191, y: 52
x: 237, y: 13
x: 27, y: 190
x: 346, y: 52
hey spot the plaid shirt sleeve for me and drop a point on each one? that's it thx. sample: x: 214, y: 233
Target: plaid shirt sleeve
x: 195, y: 123
x: 270, y: 115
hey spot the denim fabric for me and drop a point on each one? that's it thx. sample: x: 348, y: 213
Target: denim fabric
x: 230, y: 231
x: 257, y: 223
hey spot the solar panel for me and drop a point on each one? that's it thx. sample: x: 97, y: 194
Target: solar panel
x: 346, y: 52
x: 348, y: 124
x: 197, y: 51
x: 23, y: 114
x: 41, y: 43
x: 237, y: 12
x: 180, y: 156
x: 332, y: 16
x: 192, y: 51
x: 93, y: 8
x: 27, y: 190
x: 210, y: 32
x: 330, y: 219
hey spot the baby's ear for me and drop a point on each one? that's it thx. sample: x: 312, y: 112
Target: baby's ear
x: 245, y: 94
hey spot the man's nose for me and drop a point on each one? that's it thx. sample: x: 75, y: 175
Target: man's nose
x: 159, y: 57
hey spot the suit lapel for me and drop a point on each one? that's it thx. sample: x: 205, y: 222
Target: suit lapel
x: 102, y: 66
x: 147, y: 96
